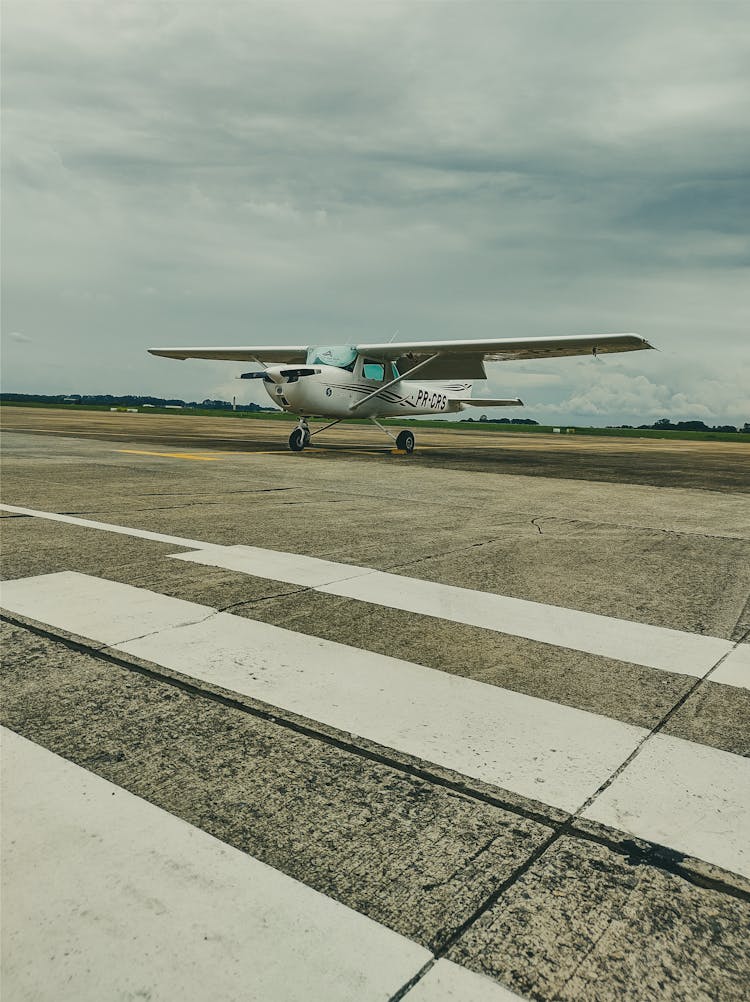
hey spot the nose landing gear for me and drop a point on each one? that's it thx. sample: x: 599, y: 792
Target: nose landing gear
x: 300, y: 437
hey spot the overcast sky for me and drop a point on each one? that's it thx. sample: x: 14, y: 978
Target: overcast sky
x: 216, y: 173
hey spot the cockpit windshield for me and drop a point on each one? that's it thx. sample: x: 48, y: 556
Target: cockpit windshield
x: 342, y: 356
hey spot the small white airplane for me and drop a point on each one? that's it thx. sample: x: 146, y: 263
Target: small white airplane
x: 375, y: 380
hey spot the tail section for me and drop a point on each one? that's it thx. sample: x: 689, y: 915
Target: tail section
x: 459, y: 395
x: 467, y: 402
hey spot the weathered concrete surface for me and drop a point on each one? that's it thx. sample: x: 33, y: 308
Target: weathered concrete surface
x: 410, y: 855
x: 586, y: 924
x: 183, y: 915
x: 648, y: 461
x: 399, y: 844
x: 628, y: 692
x: 717, y: 715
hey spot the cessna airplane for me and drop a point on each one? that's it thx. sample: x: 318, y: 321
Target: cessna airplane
x: 376, y: 380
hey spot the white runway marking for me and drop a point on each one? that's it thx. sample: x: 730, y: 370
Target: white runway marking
x: 624, y: 640
x: 735, y: 670
x: 682, y: 795
x: 92, y: 607
x: 107, y: 896
x: 637, y: 643
x: 449, y: 982
x: 686, y: 796
x: 537, y: 748
x: 291, y: 568
x: 87, y: 523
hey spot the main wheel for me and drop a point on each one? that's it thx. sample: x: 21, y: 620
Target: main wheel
x: 307, y: 436
x: 297, y: 440
x: 405, y: 441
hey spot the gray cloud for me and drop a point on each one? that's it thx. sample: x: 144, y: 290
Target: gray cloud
x: 329, y: 172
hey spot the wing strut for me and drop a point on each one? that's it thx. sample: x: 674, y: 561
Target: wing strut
x: 393, y: 382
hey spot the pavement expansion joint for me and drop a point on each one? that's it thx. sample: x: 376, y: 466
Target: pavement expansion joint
x: 656, y: 729
x: 407, y: 987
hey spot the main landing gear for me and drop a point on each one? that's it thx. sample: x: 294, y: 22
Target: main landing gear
x: 405, y: 441
x: 301, y: 436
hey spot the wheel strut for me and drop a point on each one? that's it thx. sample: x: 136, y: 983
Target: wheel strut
x: 404, y: 441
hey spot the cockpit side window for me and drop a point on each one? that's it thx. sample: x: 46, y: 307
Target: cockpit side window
x: 342, y: 356
x: 373, y: 370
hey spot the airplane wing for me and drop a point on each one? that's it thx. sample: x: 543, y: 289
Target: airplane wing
x: 275, y: 353
x: 465, y: 359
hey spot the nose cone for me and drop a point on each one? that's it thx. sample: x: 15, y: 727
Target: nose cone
x: 273, y: 373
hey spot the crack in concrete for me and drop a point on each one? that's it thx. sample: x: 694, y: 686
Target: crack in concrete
x: 264, y: 598
x: 161, y: 629
x: 437, y: 556
x: 110, y: 511
x: 464, y: 866
x: 741, y: 632
x: 218, y: 494
x: 592, y: 945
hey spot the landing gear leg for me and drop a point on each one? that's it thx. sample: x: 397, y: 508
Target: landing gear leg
x: 404, y: 441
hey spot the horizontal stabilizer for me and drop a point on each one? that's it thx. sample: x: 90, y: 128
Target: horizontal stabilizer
x: 488, y: 402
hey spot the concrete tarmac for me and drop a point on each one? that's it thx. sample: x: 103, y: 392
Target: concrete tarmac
x: 550, y: 905
x: 711, y: 465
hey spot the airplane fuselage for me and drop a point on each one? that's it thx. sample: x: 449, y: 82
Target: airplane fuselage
x: 330, y: 391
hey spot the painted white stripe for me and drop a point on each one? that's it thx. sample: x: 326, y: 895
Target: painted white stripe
x: 95, y: 608
x: 735, y: 670
x: 291, y: 568
x: 537, y: 748
x: 682, y: 795
x: 637, y: 643
x: 624, y: 640
x: 686, y: 796
x: 448, y: 982
x: 86, y: 523
x: 107, y: 896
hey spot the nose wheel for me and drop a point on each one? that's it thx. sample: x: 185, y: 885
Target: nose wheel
x: 297, y: 440
x: 300, y: 437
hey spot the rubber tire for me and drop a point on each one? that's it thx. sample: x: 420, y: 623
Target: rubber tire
x: 405, y: 441
x: 307, y: 438
x: 297, y: 440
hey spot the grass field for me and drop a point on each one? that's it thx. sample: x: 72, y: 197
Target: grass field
x: 484, y: 426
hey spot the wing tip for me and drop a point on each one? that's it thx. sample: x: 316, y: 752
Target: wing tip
x: 166, y: 353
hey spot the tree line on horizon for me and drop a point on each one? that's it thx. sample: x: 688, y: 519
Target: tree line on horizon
x: 125, y: 401
x: 108, y: 399
x: 664, y: 424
